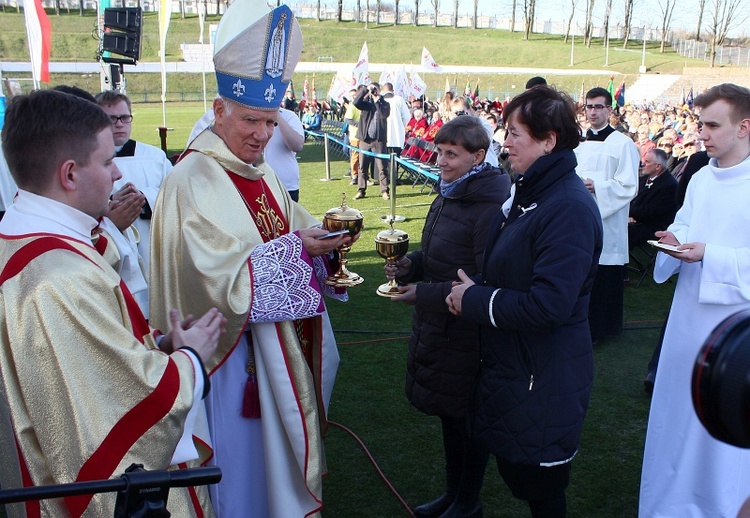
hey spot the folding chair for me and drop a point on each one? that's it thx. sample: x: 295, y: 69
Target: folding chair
x: 641, y: 265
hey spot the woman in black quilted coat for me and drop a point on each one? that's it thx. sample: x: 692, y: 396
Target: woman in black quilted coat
x: 531, y: 303
x: 444, y: 349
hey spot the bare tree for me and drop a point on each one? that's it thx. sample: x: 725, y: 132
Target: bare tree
x: 589, y: 29
x: 319, y: 10
x: 455, y: 14
x: 377, y: 12
x: 396, y: 2
x: 436, y: 10
x: 725, y: 15
x: 359, y: 10
x: 339, y: 10
x: 573, y: 5
x: 416, y: 13
x: 513, y: 17
x: 532, y: 11
x: 701, y: 8
x: 528, y: 10
x: 474, y: 23
x: 628, y: 22
x: 57, y: 7
x: 667, y: 9
x: 80, y: 7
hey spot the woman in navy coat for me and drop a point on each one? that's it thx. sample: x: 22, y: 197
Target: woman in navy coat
x: 531, y: 302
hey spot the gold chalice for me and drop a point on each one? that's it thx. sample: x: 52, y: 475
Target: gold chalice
x: 349, y: 219
x: 391, y: 245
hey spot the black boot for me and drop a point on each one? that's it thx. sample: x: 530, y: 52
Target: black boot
x: 464, y: 510
x: 434, y: 508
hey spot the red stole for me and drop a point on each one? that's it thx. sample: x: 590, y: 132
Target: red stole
x: 271, y: 223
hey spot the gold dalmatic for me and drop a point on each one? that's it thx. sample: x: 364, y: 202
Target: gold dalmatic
x: 86, y: 390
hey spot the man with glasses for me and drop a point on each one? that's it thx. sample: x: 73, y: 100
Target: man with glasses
x: 608, y: 163
x: 143, y: 166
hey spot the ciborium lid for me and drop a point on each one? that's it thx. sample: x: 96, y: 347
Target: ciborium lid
x: 391, y: 235
x: 344, y: 212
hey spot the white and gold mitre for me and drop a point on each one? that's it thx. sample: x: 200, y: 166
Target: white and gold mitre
x: 255, y: 53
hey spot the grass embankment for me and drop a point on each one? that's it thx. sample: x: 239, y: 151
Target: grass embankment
x: 73, y: 40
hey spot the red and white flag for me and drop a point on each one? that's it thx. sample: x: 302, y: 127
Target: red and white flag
x: 39, y: 33
x: 428, y: 63
x: 418, y: 86
x: 363, y: 63
x: 305, y: 96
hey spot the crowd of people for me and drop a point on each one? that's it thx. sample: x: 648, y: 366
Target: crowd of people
x: 520, y: 273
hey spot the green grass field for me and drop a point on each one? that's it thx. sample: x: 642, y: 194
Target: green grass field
x: 72, y: 40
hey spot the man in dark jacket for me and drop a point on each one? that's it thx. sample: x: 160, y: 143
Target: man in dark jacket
x: 654, y: 207
x: 372, y: 135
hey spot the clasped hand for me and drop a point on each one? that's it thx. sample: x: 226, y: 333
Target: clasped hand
x: 201, y: 335
x: 455, y: 298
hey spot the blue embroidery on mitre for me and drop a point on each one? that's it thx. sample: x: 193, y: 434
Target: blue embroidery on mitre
x: 262, y: 93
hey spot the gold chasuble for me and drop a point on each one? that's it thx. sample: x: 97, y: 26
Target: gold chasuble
x: 219, y: 242
x: 88, y: 391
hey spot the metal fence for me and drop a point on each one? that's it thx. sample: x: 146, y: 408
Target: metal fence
x: 738, y: 56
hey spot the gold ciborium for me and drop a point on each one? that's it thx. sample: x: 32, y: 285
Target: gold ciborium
x: 349, y: 219
x: 391, y: 245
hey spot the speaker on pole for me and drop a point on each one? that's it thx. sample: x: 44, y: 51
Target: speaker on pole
x: 122, y: 35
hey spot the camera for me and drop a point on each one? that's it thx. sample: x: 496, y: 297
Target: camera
x: 721, y: 381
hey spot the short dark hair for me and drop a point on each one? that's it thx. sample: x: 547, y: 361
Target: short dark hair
x: 535, y: 81
x: 467, y: 132
x: 600, y: 92
x: 78, y: 92
x: 112, y: 97
x: 543, y: 110
x: 65, y: 125
x: 736, y: 96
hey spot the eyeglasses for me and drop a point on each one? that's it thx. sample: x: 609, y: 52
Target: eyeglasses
x: 689, y: 144
x: 125, y: 119
x: 668, y: 146
x: 596, y: 107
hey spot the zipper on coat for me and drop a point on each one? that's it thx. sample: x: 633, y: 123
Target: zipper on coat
x: 429, y: 235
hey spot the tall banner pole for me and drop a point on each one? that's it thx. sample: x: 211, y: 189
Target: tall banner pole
x: 393, y: 217
x: 165, y: 14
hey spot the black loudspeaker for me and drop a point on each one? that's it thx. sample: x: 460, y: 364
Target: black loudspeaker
x: 123, y: 29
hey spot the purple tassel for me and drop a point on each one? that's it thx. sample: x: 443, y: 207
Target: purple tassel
x: 251, y: 400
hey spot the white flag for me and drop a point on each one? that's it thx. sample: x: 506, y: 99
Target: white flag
x: 387, y: 76
x: 363, y: 62
x: 418, y: 86
x: 401, y: 86
x: 428, y: 63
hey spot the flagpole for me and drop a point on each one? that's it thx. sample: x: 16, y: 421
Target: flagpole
x: 202, y: 21
x: 572, y: 47
x: 606, y: 48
